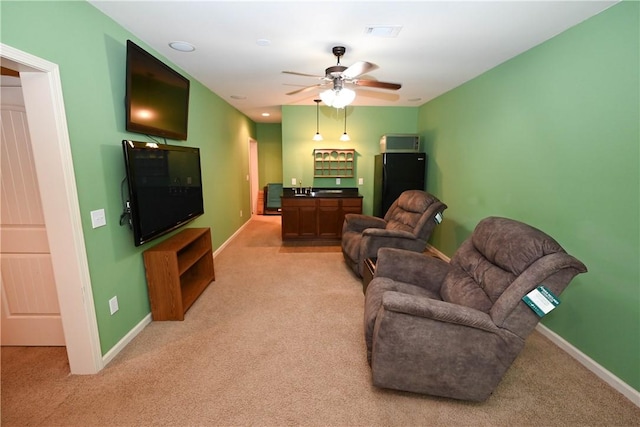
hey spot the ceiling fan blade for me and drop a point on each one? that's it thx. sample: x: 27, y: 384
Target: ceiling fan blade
x: 305, y: 89
x: 375, y: 83
x: 302, y: 74
x: 379, y: 95
x: 360, y: 67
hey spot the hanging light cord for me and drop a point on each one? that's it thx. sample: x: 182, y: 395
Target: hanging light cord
x: 317, y: 136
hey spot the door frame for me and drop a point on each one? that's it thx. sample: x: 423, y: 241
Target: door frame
x: 44, y: 104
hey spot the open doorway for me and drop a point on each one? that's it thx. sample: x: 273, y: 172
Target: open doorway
x: 42, y: 92
x: 254, y: 175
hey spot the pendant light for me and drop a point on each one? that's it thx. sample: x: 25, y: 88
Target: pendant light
x: 345, y: 136
x: 317, y: 136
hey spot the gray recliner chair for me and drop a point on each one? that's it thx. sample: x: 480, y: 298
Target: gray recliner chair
x: 453, y: 329
x: 408, y: 224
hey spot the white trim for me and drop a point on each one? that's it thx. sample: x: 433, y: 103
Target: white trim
x: 615, y: 382
x: 230, y: 239
x: 126, y: 339
x: 44, y: 105
x: 440, y: 255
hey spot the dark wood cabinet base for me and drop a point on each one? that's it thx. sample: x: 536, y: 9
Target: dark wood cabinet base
x: 316, y: 218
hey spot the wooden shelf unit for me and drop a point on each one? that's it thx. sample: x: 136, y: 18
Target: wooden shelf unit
x: 178, y: 270
x: 333, y: 163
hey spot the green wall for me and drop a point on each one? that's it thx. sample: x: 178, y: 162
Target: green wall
x: 552, y: 138
x: 90, y: 51
x: 365, y: 125
x: 269, y: 153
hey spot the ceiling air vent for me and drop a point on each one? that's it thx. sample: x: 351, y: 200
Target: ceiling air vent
x: 383, y: 30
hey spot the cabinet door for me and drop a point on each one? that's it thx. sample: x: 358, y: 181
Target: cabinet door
x: 298, y: 218
x: 329, y: 218
x: 307, y: 221
x: 290, y: 220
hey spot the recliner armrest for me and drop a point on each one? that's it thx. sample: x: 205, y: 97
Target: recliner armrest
x: 374, y: 239
x: 411, y: 267
x: 437, y: 310
x: 382, y: 232
x: 360, y: 222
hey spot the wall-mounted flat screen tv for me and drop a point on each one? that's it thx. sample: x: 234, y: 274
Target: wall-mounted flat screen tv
x: 165, y: 187
x: 157, y: 97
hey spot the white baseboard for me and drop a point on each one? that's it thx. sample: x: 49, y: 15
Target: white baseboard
x: 126, y: 340
x: 615, y: 382
x: 438, y: 253
x: 230, y: 239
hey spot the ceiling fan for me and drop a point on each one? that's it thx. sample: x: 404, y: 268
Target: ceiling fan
x: 339, y: 75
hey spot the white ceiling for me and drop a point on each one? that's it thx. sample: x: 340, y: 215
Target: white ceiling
x: 441, y: 44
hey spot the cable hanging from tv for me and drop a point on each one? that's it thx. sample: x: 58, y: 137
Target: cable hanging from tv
x: 125, y: 216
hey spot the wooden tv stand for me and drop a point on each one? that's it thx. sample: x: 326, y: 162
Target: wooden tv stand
x: 178, y: 270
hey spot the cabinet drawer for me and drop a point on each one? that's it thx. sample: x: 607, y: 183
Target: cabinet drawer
x: 352, y: 202
x: 328, y: 202
x: 298, y: 202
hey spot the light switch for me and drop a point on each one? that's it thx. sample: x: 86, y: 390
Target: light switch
x: 98, y: 218
x: 293, y: 181
x: 113, y: 305
x: 337, y: 181
x: 360, y: 181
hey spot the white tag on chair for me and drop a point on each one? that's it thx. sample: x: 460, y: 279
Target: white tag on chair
x: 541, y: 300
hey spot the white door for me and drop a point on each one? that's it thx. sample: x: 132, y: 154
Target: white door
x: 30, y: 314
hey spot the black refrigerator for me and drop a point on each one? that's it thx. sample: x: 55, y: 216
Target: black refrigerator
x: 395, y: 173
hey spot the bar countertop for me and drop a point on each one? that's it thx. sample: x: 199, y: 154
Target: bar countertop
x: 317, y: 192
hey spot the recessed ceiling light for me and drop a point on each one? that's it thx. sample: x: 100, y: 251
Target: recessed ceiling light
x: 265, y: 114
x: 263, y: 42
x: 238, y: 97
x: 182, y: 46
x: 383, y: 30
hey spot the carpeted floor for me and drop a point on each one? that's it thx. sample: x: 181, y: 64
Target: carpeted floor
x: 277, y: 340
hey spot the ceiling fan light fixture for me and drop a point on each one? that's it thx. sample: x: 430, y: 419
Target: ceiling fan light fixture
x: 338, y: 98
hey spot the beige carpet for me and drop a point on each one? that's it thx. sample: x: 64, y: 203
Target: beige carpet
x: 277, y: 340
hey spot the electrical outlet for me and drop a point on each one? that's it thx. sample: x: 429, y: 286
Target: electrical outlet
x: 113, y: 305
x: 360, y: 181
x: 294, y: 181
x: 337, y: 181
